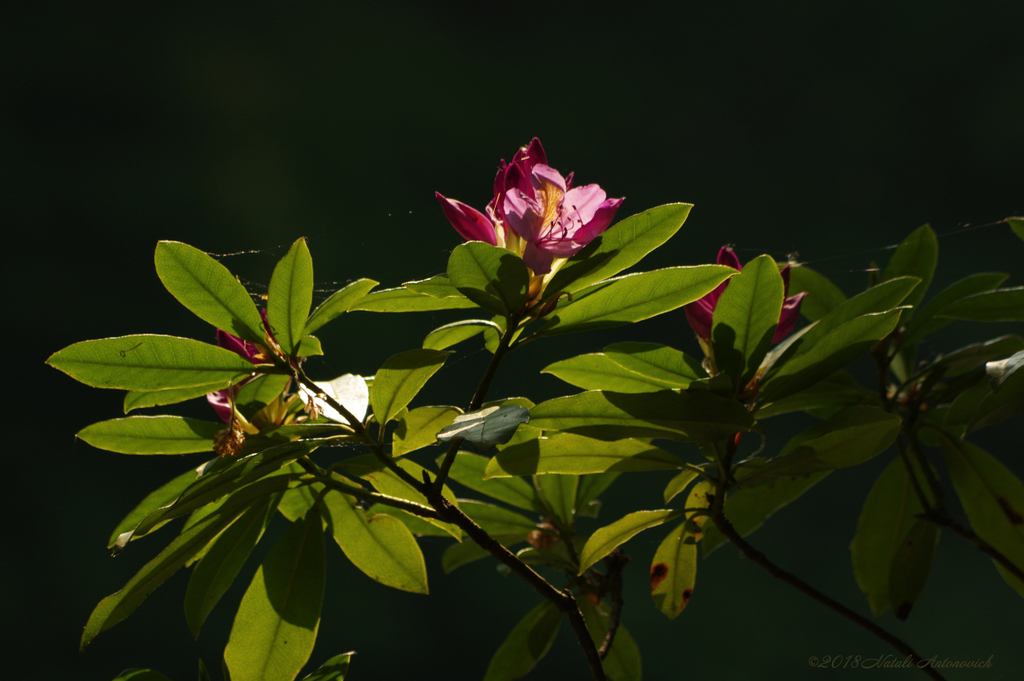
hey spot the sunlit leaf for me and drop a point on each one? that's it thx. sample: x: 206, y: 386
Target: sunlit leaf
x: 161, y: 496
x: 679, y: 483
x: 653, y: 361
x: 916, y: 256
x: 152, y: 435
x: 340, y: 302
x: 469, y: 470
x: 558, y: 492
x: 399, y: 380
x: 419, y: 428
x: 604, y: 540
x: 568, y: 453
x: 402, y: 299
x: 598, y: 372
x: 334, y: 669
x: 674, y: 570
x: 290, y: 296
x: 491, y: 277
x: 157, y: 398
x: 486, y: 427
x: 451, y: 334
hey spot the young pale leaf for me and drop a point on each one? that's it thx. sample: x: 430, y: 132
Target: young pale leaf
x: 152, y: 435
x: 419, y: 428
x: 822, y: 295
x: 469, y: 470
x: 745, y: 319
x: 558, y: 492
x: 400, y: 379
x: 486, y: 427
x: 993, y: 498
x: 604, y: 540
x: 690, y: 415
x: 622, y: 245
x: 911, y: 565
x: 208, y: 290
x: 402, y: 299
x: 634, y: 297
x: 655, y: 362
x: 149, y: 362
x: 158, y: 398
x: 492, y: 277
x: 917, y: 257
x: 335, y: 669
x: 220, y: 565
x: 599, y: 372
x: 275, y: 628
x: 568, y: 453
x: 623, y: 660
x: 162, y: 496
x: 674, y: 570
x: 290, y: 296
x: 451, y: 334
x: 925, y: 322
x: 529, y: 641
x: 379, y: 545
x: 883, y: 527
x: 1001, y: 305
x: 339, y: 303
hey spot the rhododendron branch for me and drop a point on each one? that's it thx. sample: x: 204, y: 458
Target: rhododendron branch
x: 329, y: 481
x: 942, y: 520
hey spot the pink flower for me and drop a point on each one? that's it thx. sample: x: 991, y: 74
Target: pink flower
x: 535, y: 212
x: 221, y: 400
x: 700, y: 313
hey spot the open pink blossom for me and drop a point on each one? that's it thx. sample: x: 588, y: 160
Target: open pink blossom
x: 700, y: 313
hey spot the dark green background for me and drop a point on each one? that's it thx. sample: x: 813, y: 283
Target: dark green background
x: 828, y: 129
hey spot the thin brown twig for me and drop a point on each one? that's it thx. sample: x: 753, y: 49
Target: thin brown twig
x: 945, y: 521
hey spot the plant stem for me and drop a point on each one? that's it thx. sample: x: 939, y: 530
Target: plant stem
x: 943, y: 520
x: 360, y: 493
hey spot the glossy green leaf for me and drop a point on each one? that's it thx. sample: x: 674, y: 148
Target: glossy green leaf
x: 679, y: 483
x: 911, y: 565
x: 558, y: 492
x: 993, y: 498
x: 290, y: 296
x: 417, y: 525
x: 623, y: 660
x: 399, y: 380
x: 745, y: 319
x: 157, y: 398
x: 438, y: 286
x: 135, y: 674
x: 604, y: 540
x: 925, y: 322
x: 469, y: 470
x: 220, y: 565
x: 379, y: 545
x: 822, y: 295
x: 883, y: 528
x: 635, y: 297
x: 1000, y: 305
x: 598, y: 372
x: 402, y: 299
x: 419, y: 428
x: 916, y: 256
x: 121, y: 604
x: 161, y: 496
x: 529, y: 641
x: 834, y: 392
x: 451, y: 334
x: 621, y: 246
x: 208, y: 290
x: 674, y: 570
x: 152, y: 435
x: 655, y: 362
x: 275, y: 628
x: 259, y: 392
x: 296, y: 502
x: 829, y: 354
x: 568, y: 453
x: 149, y: 362
x: 1017, y: 225
x: 487, y: 426
x: 492, y: 277
x: 340, y: 302
x: 697, y: 415
x: 335, y: 669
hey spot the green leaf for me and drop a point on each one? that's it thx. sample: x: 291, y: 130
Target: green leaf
x: 829, y: 354
x: 437, y: 286
x: 121, y: 604
x: 419, y: 428
x: 834, y: 392
x: 335, y: 669
x: 149, y: 362
x: 399, y: 380
x: 487, y: 426
x: 204, y: 673
x: 469, y: 470
x: 417, y: 525
x: 917, y: 257
x: 1001, y: 305
x: 558, y: 492
x: 402, y: 299
x: 674, y: 570
x: 590, y: 487
x: 308, y: 346
x: 277, y: 621
x: 822, y: 295
x: 296, y: 502
x: 925, y: 322
x: 623, y: 660
x: 568, y: 453
x: 340, y: 302
x: 635, y: 297
x: 911, y: 565
x: 152, y: 435
x: 656, y: 362
x: 156, y: 398
x: 135, y: 674
x: 451, y: 334
x: 290, y: 296
x: 161, y: 496
x: 993, y: 498
x: 621, y: 246
x: 999, y: 404
x: 696, y: 415
x: 218, y: 568
x: 529, y: 641
x: 259, y: 392
x: 1017, y: 225
x: 492, y: 277
x: 208, y: 290
x: 379, y: 545
x: 604, y: 540
x: 679, y: 483
x: 598, y: 372
x: 745, y: 319
x: 496, y: 520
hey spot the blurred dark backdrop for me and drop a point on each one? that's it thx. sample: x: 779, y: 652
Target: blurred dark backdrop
x: 827, y: 129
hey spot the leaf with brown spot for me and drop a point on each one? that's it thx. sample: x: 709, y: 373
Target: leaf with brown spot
x: 674, y: 570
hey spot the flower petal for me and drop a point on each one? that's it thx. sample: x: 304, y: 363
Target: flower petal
x: 523, y: 215
x: 603, y: 217
x: 788, y: 317
x: 468, y: 221
x: 536, y: 259
x: 699, y: 314
x: 221, y: 404
x: 726, y: 256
